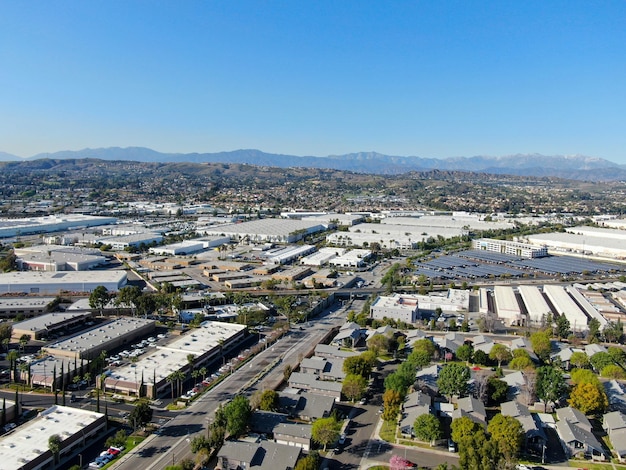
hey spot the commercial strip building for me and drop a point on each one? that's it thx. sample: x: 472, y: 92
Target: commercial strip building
x: 105, y: 337
x: 52, y: 223
x: 44, y: 325
x: 523, y: 250
x: 53, y: 283
x: 26, y: 447
x: 148, y: 376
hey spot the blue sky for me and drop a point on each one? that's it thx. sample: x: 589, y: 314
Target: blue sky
x: 425, y: 78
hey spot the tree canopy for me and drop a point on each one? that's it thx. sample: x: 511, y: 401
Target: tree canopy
x: 325, y: 431
x: 454, y: 380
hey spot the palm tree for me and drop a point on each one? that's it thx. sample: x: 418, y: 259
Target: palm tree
x: 179, y: 376
x: 203, y: 371
x: 171, y: 379
x: 12, y: 357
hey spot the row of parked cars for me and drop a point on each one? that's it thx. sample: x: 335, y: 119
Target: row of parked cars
x: 106, y: 456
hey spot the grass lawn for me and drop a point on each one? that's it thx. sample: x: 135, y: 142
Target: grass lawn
x: 593, y: 465
x: 388, y: 431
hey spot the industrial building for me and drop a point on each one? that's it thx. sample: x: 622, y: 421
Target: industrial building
x: 593, y: 242
x: 26, y: 306
x: 565, y: 305
x: 351, y: 259
x: 536, y: 305
x: 26, y: 447
x: 507, y: 308
x: 58, y: 258
x: 52, y: 223
x: 267, y: 230
x: 52, y: 283
x: 524, y: 250
x: 322, y: 257
x: 44, y: 325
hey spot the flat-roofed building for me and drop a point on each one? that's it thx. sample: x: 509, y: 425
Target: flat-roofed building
x: 536, y: 305
x: 148, y: 376
x: 26, y: 447
x: 41, y: 282
x: 58, y: 258
x: 267, y: 230
x: 26, y: 306
x: 398, y: 307
x: 288, y: 254
x: 105, y: 337
x: 587, y: 243
x: 507, y: 247
x: 351, y: 259
x: 507, y: 307
x: 587, y: 307
x: 43, y: 325
x: 565, y: 305
x: 52, y: 223
x: 322, y: 257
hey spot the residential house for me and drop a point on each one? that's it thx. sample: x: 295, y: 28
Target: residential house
x: 312, y: 383
x: 264, y: 455
x: 324, y: 368
x: 534, y: 435
x: 415, y: 404
x: 330, y: 351
x: 306, y: 406
x: 472, y: 408
x: 614, y: 424
x: 575, y: 433
x: 264, y: 422
x: 292, y: 434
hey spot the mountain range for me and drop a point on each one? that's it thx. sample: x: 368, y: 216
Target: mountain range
x: 577, y: 167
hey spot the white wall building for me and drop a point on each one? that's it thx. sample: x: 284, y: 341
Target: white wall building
x: 507, y: 247
x: 507, y: 307
x: 536, y: 305
x: 565, y: 305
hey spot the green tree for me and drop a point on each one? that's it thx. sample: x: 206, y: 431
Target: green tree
x: 357, y: 365
x: 427, y: 428
x: 496, y: 390
x: 54, y: 445
x: 354, y: 387
x: 580, y: 360
x: 500, y: 353
x: 480, y: 357
x: 551, y: 385
x: 617, y: 354
x: 593, y: 334
x: 198, y: 443
x: 507, y: 433
x: 392, y: 399
x: 325, y: 431
x: 309, y: 462
x: 99, y: 298
x: 140, y: 415
x: 463, y: 429
x: 453, y: 380
x: 521, y: 363
x: 613, y: 371
x: 269, y: 401
x: 541, y: 345
x: 600, y: 360
x: 237, y: 414
x: 465, y: 353
x: 562, y: 327
x: 425, y: 345
x: 128, y: 296
x: 378, y: 344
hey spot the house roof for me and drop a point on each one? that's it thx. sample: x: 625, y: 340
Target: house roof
x: 409, y: 417
x: 265, y: 421
x: 416, y: 399
x: 302, y: 431
x: 265, y: 455
x: 614, y: 420
x: 573, y: 416
x: 514, y: 408
x: 618, y: 440
x: 305, y: 404
x: 298, y: 378
x: 570, y: 432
